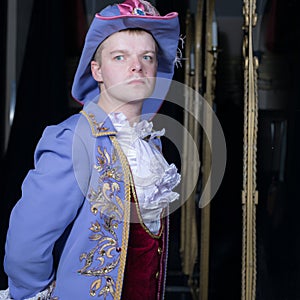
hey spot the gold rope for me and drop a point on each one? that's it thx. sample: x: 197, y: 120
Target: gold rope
x: 249, y: 193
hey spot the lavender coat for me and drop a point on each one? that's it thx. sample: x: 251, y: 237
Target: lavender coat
x: 71, y: 223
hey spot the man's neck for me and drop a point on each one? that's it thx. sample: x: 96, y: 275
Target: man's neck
x: 131, y: 110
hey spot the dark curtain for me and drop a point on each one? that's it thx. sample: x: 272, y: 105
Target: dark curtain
x: 42, y: 99
x: 3, y: 18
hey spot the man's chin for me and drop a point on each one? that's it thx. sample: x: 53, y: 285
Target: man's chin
x: 137, y: 94
x: 130, y: 92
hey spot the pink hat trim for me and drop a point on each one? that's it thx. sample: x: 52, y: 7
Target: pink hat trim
x: 166, y: 17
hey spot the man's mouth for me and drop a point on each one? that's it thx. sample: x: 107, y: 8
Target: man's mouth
x: 136, y: 81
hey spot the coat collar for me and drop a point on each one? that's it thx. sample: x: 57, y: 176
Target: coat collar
x: 99, y: 121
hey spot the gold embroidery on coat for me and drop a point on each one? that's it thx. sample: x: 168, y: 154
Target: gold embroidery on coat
x: 105, y: 163
x: 127, y: 203
x: 108, y: 288
x: 97, y: 127
x: 106, y: 204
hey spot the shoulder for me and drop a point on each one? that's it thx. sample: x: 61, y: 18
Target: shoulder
x: 68, y: 124
x: 60, y: 138
x: 75, y: 125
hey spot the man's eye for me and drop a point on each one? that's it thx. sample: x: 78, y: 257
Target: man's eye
x: 148, y: 57
x: 119, y: 57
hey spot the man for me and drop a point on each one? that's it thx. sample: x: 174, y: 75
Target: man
x: 92, y: 220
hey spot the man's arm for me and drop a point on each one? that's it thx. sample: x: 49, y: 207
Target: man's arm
x: 50, y: 200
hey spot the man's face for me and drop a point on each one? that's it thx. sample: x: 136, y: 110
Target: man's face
x: 128, y: 67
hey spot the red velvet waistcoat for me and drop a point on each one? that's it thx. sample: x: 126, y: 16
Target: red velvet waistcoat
x: 143, y: 277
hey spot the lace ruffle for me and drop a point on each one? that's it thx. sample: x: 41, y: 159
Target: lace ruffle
x: 154, y: 178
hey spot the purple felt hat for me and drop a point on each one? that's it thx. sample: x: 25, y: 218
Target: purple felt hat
x: 129, y: 14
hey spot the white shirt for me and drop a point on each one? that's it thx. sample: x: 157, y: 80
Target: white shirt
x: 153, y: 177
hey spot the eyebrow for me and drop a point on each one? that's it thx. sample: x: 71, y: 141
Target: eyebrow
x: 126, y: 51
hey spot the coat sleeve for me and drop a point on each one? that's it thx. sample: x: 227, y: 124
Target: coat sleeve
x: 51, y: 198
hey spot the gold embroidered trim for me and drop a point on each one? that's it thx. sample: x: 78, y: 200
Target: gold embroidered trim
x: 97, y: 128
x: 127, y: 203
x: 106, y: 205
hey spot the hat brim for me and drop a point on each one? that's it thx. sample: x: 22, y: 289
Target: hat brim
x: 164, y: 29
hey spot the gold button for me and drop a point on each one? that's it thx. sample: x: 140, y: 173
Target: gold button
x: 159, y: 250
x: 156, y: 275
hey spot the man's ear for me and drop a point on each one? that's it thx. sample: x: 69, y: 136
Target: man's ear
x: 96, y: 71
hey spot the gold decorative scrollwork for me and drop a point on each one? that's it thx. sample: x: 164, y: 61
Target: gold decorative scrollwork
x: 105, y: 203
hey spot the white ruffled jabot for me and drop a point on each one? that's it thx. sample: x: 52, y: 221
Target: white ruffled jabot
x: 153, y: 177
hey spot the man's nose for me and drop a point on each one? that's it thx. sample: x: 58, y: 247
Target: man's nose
x: 136, y: 65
